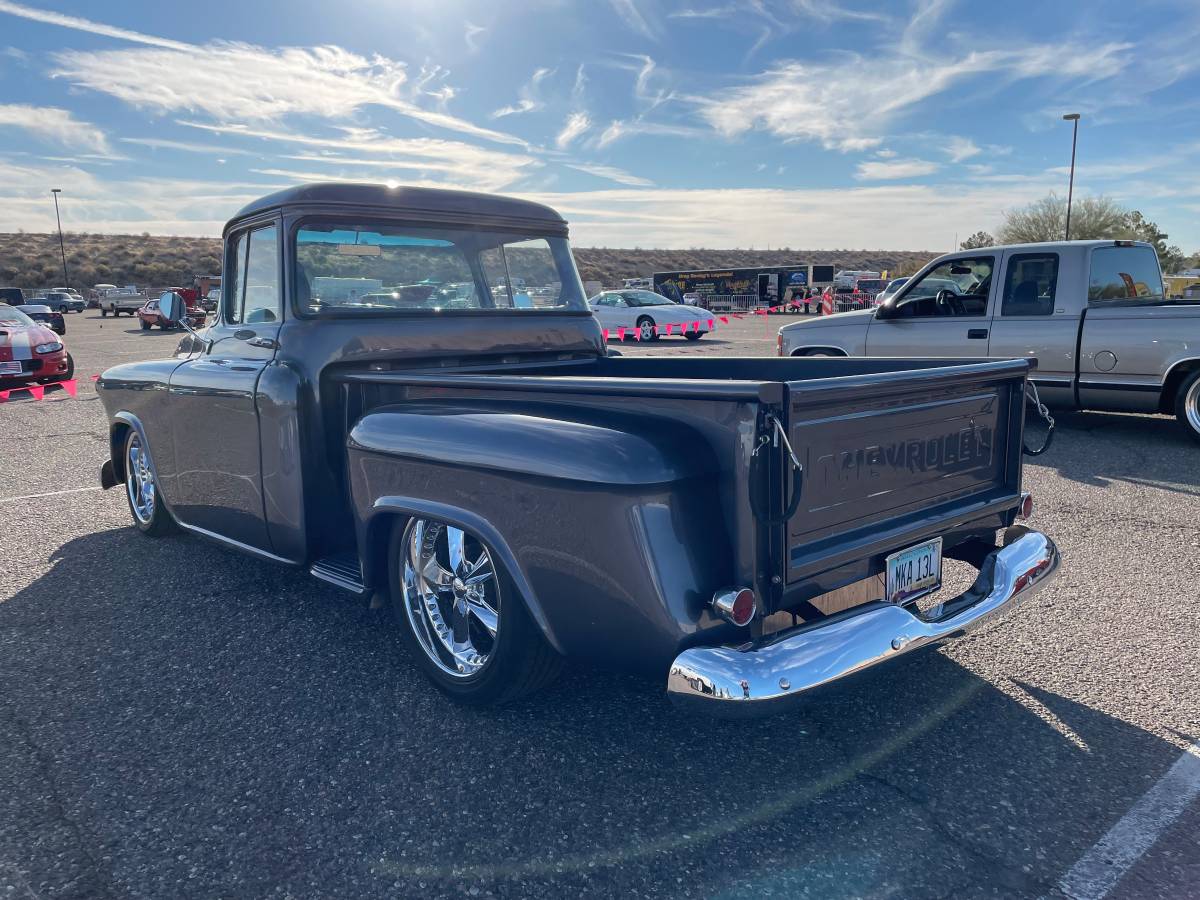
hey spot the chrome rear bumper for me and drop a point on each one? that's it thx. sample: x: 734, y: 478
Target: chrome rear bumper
x: 755, y: 679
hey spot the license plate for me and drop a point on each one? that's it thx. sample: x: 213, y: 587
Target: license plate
x: 914, y: 572
x: 10, y: 368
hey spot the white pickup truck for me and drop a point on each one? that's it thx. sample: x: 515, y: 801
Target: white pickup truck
x: 1093, y: 314
x: 121, y: 300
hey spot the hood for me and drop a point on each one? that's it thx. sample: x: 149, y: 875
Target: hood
x: 857, y: 317
x: 18, y: 341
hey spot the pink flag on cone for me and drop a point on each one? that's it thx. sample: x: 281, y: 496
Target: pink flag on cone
x: 69, y: 386
x: 3, y: 396
x: 710, y: 324
x: 670, y: 325
x: 724, y: 320
x: 606, y: 334
x: 621, y: 333
x: 95, y: 378
x: 36, y: 391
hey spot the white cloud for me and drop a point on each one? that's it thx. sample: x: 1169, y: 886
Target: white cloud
x: 528, y: 98
x: 56, y: 125
x: 577, y: 123
x: 242, y: 82
x: 629, y: 13
x: 77, y: 23
x: 470, y: 33
x: 874, y: 170
x: 886, y: 154
x: 620, y: 176
x: 848, y: 104
x: 481, y: 168
x: 961, y: 148
x: 186, y: 146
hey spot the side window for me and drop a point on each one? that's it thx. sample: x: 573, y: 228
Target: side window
x: 1124, y: 273
x: 495, y: 273
x: 957, y: 287
x: 262, y: 302
x: 1029, y: 285
x: 235, y: 282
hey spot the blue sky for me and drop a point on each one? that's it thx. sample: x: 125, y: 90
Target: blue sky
x: 652, y: 123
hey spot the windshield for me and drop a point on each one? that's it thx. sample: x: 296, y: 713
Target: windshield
x: 643, y: 298
x: 377, y: 268
x: 11, y: 316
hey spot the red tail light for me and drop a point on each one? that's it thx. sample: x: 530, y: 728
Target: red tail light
x: 1025, y: 510
x: 735, y: 605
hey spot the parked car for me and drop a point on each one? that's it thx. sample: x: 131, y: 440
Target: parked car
x: 1092, y: 313
x: 121, y: 300
x: 51, y: 318
x: 890, y: 289
x: 60, y: 301
x: 12, y: 296
x: 29, y: 351
x: 648, y: 314
x: 97, y: 291
x: 519, y: 495
x: 151, y: 314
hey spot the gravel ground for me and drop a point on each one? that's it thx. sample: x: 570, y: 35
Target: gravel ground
x: 179, y: 721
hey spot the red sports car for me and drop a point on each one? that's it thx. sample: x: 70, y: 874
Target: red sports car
x: 29, y: 351
x: 150, y: 315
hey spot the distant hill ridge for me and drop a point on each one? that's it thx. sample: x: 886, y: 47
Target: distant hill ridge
x: 32, y: 261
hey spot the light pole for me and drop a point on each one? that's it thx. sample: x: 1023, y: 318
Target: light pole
x: 62, y: 249
x: 1073, y: 118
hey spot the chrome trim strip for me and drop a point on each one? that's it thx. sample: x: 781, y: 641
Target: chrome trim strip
x: 758, y: 679
x: 231, y: 543
x: 316, y: 570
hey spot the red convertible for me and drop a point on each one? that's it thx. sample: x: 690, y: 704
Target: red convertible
x: 29, y: 351
x: 150, y: 315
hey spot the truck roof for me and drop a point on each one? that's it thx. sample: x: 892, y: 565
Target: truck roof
x: 1045, y: 245
x: 443, y: 205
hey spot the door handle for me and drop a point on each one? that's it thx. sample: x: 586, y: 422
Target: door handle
x: 977, y: 334
x: 264, y: 342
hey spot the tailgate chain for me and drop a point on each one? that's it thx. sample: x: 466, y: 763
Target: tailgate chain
x: 778, y: 433
x: 1031, y: 393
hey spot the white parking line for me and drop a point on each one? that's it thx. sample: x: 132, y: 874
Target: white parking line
x: 95, y: 487
x: 1111, y: 857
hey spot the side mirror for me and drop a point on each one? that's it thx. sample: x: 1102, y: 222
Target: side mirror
x: 887, y: 309
x: 172, y: 308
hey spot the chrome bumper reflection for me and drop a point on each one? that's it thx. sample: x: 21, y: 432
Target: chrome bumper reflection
x: 760, y: 678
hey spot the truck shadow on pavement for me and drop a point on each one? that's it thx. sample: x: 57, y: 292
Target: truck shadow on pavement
x: 181, y: 721
x: 1099, y: 448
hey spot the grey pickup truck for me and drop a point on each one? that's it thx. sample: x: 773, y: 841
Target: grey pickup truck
x: 1092, y: 313
x: 373, y: 403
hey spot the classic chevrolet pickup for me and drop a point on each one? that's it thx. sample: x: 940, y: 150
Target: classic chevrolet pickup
x: 1092, y: 313
x: 371, y: 402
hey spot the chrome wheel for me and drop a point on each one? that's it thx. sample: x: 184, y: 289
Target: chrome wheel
x: 451, y: 596
x: 646, y: 330
x: 1191, y: 406
x: 139, y: 480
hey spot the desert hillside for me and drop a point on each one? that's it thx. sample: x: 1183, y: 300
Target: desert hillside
x: 33, y: 261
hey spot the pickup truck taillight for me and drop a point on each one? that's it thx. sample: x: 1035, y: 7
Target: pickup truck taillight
x: 1025, y: 510
x: 779, y: 344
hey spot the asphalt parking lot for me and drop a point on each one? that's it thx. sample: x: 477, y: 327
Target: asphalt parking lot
x: 179, y: 721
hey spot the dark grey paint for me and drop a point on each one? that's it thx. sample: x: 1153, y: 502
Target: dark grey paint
x: 615, y: 490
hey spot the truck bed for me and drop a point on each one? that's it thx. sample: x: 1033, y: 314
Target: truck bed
x: 892, y: 450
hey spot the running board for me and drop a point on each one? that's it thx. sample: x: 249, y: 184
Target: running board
x: 341, y: 570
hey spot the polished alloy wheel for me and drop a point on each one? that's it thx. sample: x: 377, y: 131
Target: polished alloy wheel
x: 139, y: 481
x: 451, y: 596
x: 646, y: 330
x: 1191, y: 406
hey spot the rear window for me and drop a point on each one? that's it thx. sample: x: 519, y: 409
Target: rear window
x: 1124, y: 275
x: 380, y: 268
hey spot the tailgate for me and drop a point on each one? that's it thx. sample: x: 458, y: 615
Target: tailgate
x: 892, y: 457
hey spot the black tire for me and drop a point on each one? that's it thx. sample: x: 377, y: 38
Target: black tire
x: 694, y: 335
x: 647, y: 322
x: 159, y: 522
x: 145, y: 325
x: 1187, y: 405
x: 521, y: 661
